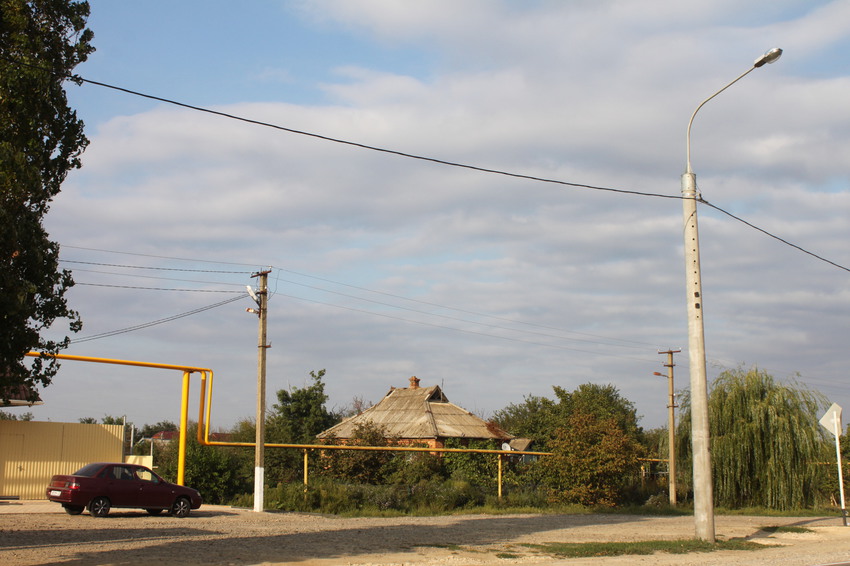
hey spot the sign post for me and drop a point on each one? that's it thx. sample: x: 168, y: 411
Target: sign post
x: 831, y: 421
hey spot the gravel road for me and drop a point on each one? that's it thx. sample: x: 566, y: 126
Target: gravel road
x: 41, y: 533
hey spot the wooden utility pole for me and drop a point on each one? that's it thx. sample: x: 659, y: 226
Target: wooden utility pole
x: 671, y: 425
x: 261, y: 297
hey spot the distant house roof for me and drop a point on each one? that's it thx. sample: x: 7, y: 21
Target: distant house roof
x: 418, y: 413
x: 166, y: 435
x: 19, y: 396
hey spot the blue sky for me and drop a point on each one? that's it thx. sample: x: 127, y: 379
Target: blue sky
x: 491, y: 286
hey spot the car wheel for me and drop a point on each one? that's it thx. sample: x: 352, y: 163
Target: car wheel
x: 181, y: 507
x: 73, y: 509
x: 153, y: 511
x: 99, y: 507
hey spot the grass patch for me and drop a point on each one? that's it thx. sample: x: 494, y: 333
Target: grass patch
x: 764, y: 512
x: 592, y: 549
x: 786, y: 529
x: 452, y: 547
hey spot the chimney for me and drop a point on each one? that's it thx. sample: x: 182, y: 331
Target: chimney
x: 414, y: 382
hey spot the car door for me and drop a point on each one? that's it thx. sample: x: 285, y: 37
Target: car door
x: 122, y: 487
x: 155, y: 493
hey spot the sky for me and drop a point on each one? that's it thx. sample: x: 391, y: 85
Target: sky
x: 555, y: 259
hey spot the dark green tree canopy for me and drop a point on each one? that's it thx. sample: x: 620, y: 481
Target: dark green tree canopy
x: 765, y: 440
x: 538, y: 418
x: 300, y: 414
x: 41, y: 139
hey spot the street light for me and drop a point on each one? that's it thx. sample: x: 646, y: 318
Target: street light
x: 703, y: 490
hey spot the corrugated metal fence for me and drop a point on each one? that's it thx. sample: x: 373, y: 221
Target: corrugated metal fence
x: 31, y: 452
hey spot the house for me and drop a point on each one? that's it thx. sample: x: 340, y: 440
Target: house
x: 420, y: 415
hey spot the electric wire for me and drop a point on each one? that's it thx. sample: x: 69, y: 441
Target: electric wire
x: 608, y: 340
x: 434, y: 159
x: 152, y: 323
x: 455, y: 309
x: 149, y: 267
x: 462, y: 330
x: 160, y: 278
x: 156, y: 288
x: 80, y: 79
x: 775, y: 237
x: 453, y: 318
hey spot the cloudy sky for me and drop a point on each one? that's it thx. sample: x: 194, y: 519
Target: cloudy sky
x: 492, y: 286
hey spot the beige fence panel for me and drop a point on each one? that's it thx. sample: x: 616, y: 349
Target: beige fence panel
x: 31, y: 452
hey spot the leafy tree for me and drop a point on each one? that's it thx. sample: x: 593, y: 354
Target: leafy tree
x: 539, y: 418
x: 41, y: 139
x: 603, y: 401
x: 300, y: 414
x: 297, y: 417
x: 594, y: 461
x: 215, y: 471
x: 88, y: 420
x: 7, y: 416
x: 149, y: 430
x: 765, y: 440
x: 533, y: 418
x: 362, y: 466
x: 477, y: 469
x: 580, y: 427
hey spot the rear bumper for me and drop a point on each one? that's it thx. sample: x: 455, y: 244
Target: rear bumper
x: 65, y: 496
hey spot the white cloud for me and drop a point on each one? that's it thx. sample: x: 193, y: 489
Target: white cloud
x: 495, y: 286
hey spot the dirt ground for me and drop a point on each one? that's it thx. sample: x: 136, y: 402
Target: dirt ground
x: 41, y: 533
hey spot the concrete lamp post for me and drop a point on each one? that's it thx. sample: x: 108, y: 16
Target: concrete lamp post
x: 703, y: 488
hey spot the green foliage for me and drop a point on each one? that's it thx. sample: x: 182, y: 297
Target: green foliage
x: 765, y: 441
x: 539, y: 418
x: 594, y: 435
x: 594, y: 461
x: 216, y: 472
x: 362, y: 466
x: 7, y: 416
x: 533, y: 418
x: 149, y: 430
x: 327, y: 496
x: 601, y: 549
x: 297, y: 417
x: 300, y: 414
x: 41, y: 139
x: 477, y: 469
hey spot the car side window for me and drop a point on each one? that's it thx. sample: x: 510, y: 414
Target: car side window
x: 145, y: 475
x: 122, y: 473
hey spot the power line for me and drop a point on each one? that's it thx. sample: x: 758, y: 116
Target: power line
x: 775, y: 237
x: 151, y: 268
x: 463, y: 330
x: 437, y: 160
x: 160, y: 278
x: 153, y: 323
x: 465, y: 311
x: 79, y: 79
x: 609, y: 340
x: 156, y: 288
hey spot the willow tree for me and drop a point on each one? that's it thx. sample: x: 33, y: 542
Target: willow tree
x: 41, y: 140
x: 765, y: 440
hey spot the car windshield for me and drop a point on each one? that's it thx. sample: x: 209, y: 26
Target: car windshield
x: 89, y: 470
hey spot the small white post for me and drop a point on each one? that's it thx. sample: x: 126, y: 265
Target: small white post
x: 831, y: 421
x: 836, y: 420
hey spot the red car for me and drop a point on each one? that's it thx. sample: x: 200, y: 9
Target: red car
x: 101, y: 486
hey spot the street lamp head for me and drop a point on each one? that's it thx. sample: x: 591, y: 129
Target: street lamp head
x: 769, y: 57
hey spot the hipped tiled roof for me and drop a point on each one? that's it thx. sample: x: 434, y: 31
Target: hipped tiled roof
x: 418, y: 413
